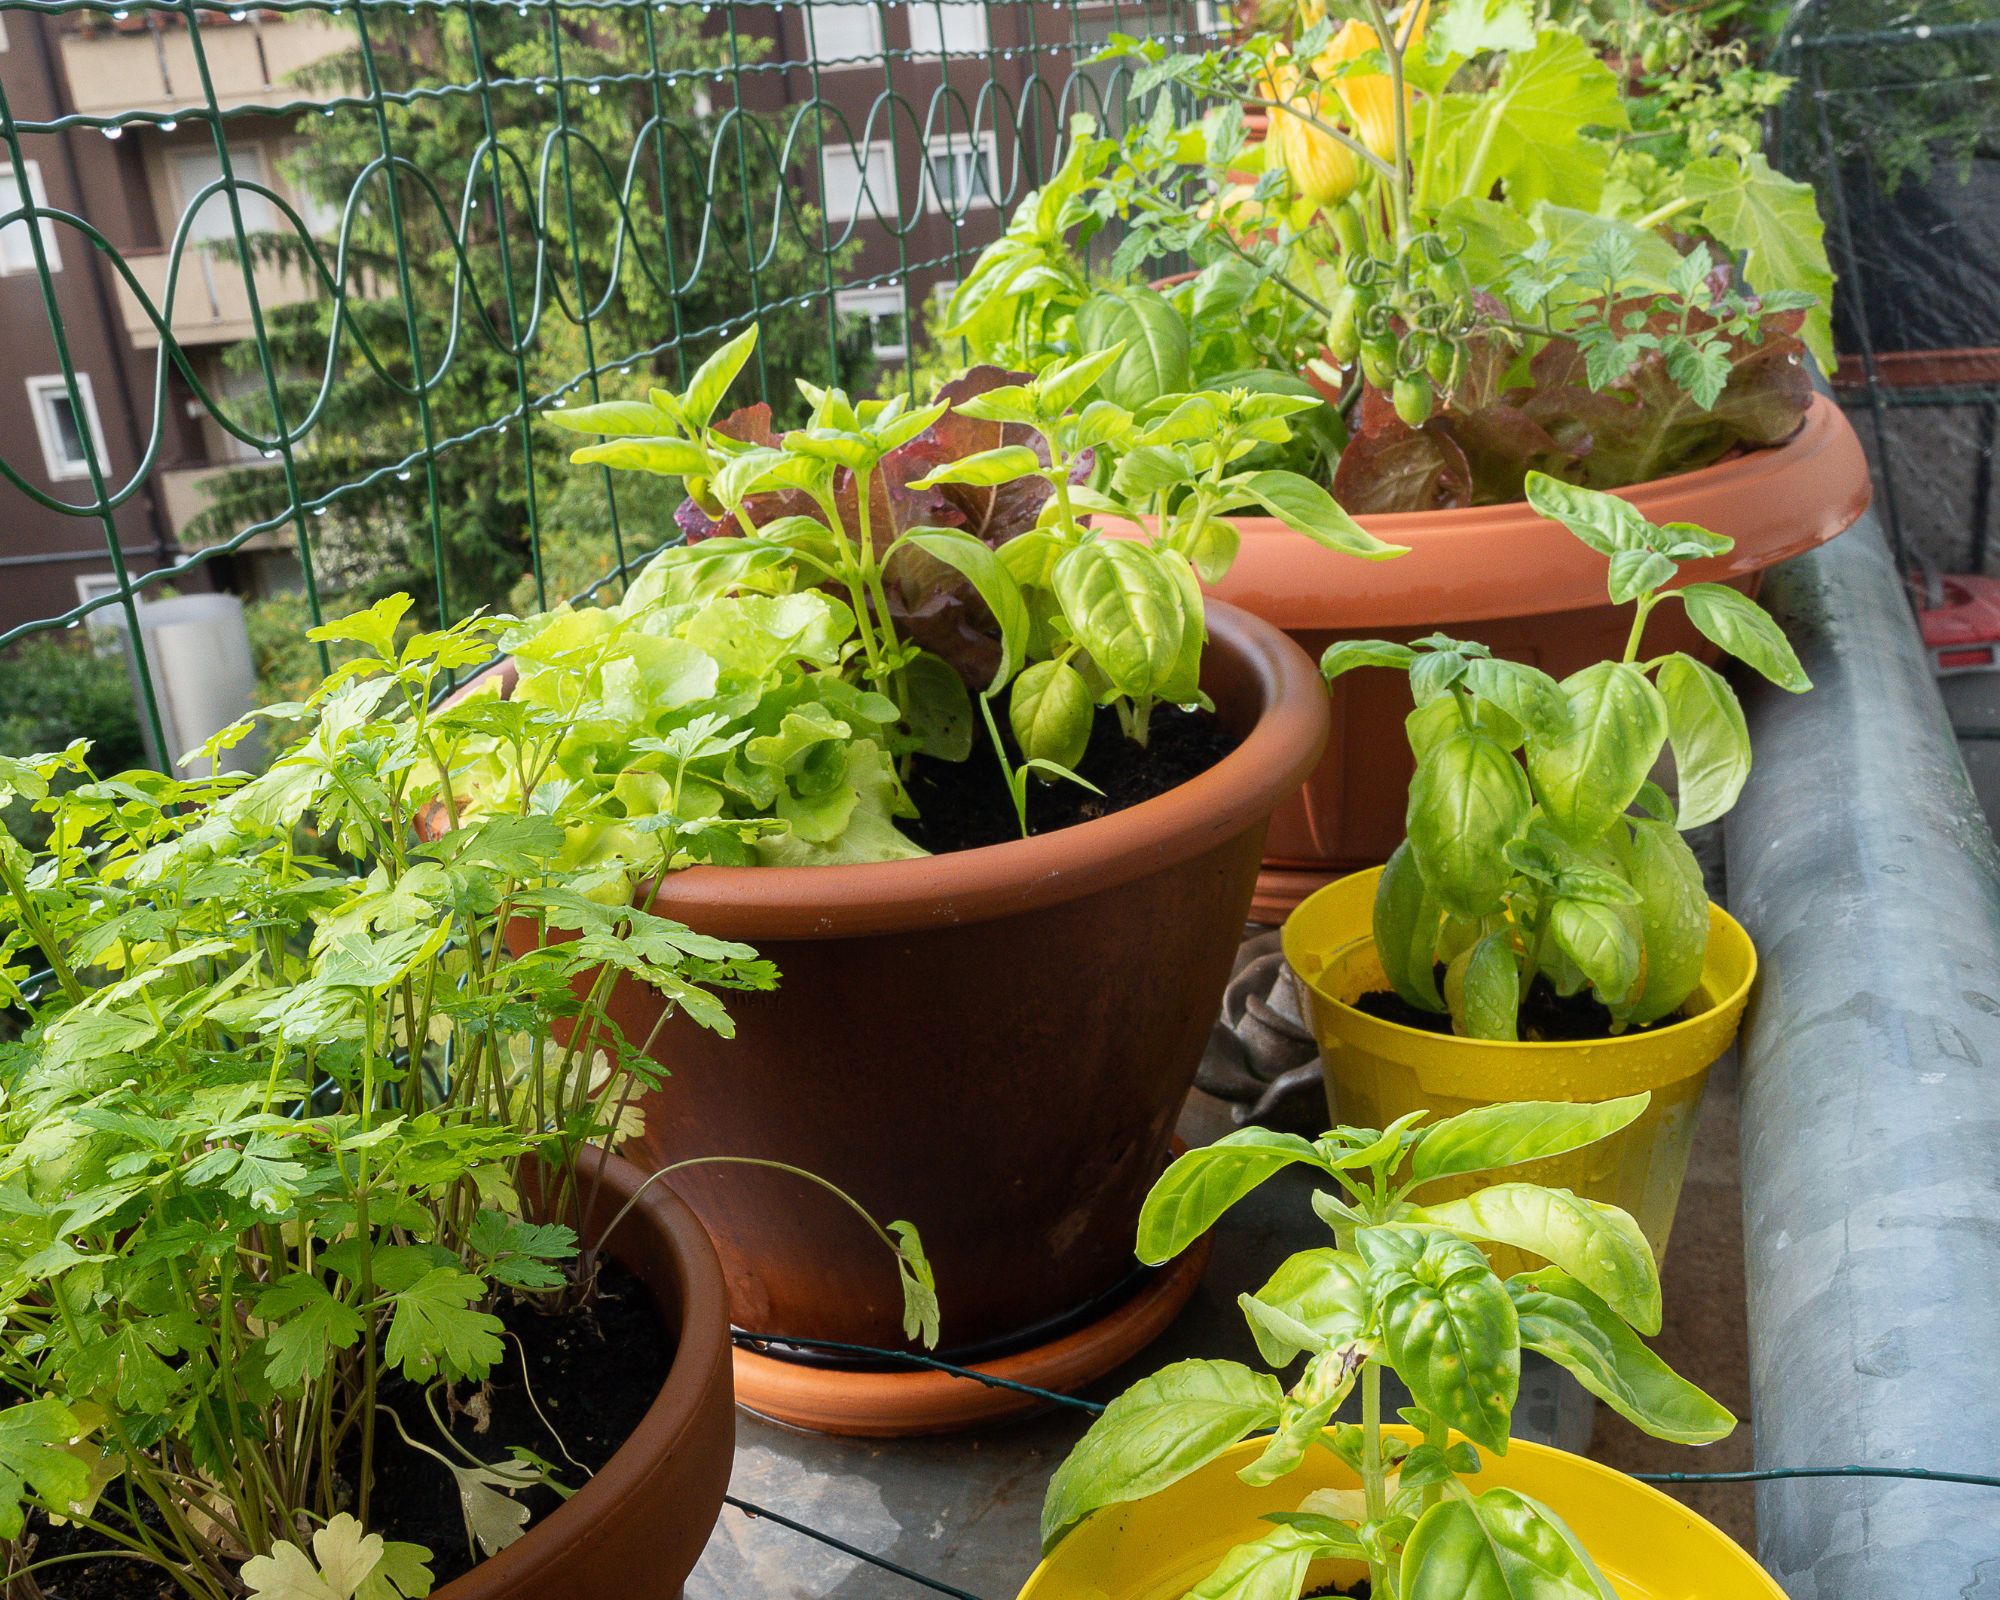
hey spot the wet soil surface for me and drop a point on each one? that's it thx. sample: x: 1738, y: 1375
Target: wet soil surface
x: 963, y: 805
x: 1546, y: 1017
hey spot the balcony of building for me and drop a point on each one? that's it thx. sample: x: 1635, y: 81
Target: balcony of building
x: 147, y: 62
x: 211, y: 299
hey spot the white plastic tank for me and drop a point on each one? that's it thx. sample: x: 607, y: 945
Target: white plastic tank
x: 204, y: 678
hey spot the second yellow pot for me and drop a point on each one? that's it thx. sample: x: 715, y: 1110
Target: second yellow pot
x: 1648, y: 1546
x: 1376, y: 1071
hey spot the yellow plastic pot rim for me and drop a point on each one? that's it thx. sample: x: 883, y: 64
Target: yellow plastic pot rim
x: 1359, y: 1020
x: 1056, y: 1578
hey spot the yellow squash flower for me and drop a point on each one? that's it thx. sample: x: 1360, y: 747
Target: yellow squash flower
x: 1321, y: 168
x: 1369, y: 97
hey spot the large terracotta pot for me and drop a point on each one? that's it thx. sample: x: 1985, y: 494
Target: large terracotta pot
x: 1519, y: 584
x: 638, y: 1526
x: 993, y: 1044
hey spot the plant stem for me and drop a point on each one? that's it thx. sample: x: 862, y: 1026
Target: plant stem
x: 1644, y: 610
x: 1373, y: 1479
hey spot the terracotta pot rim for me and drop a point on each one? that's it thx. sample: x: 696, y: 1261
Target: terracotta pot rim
x: 1238, y: 792
x: 701, y: 1352
x: 1474, y: 563
x: 1822, y: 422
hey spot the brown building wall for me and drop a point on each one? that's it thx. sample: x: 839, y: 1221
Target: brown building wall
x: 44, y: 551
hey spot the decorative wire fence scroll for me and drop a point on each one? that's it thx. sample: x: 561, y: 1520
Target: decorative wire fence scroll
x: 286, y: 288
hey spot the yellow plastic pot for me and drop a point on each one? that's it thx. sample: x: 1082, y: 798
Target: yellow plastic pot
x: 1649, y: 1546
x: 1376, y: 1071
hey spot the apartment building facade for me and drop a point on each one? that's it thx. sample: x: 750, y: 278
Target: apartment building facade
x: 137, y: 185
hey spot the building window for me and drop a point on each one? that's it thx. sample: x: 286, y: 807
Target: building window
x: 195, y: 170
x: 61, y: 430
x: 948, y: 27
x: 961, y: 174
x: 840, y: 34
x: 17, y: 245
x: 882, y: 309
x: 847, y: 171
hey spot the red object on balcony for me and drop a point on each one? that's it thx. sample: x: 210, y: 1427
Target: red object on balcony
x: 1960, y: 619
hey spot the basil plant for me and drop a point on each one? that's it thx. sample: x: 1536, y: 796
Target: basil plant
x: 960, y: 545
x: 1538, y: 844
x: 1404, y: 1288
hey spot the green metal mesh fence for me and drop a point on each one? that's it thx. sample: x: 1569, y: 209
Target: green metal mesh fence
x: 304, y: 275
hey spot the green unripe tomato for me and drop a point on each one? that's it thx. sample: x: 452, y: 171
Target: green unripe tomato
x: 1343, y: 337
x: 1438, y: 363
x: 1349, y: 229
x: 1413, y: 399
x: 1378, y: 362
x: 1654, y: 56
x: 1679, y: 48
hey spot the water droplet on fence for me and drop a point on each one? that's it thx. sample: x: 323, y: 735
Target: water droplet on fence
x: 319, y: 511
x: 268, y: 455
x: 597, y: 88
x: 403, y: 476
x: 114, y: 133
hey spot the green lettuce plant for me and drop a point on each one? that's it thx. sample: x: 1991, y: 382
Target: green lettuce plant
x: 1538, y: 845
x: 1504, y: 243
x: 1405, y: 1289
x: 949, y: 552
x: 283, y: 1125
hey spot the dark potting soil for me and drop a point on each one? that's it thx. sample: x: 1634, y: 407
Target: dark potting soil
x: 963, y: 805
x: 594, y: 1371
x: 1546, y: 1017
x: 1360, y: 1590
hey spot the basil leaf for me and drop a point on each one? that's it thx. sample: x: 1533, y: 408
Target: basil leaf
x: 1154, y: 359
x: 1050, y: 711
x: 1204, y: 1183
x: 1157, y: 1432
x: 1491, y: 1001
x: 977, y: 563
x: 1574, y: 1328
x: 1746, y: 630
x: 1124, y: 608
x: 1598, y: 1245
x: 1588, y: 776
x: 1316, y: 1300
x: 1468, y: 799
x: 1407, y: 921
x: 1710, y: 739
x: 1448, y: 1327
x: 1488, y: 1137
x: 1497, y: 1546
x: 1305, y: 507
x: 1673, y: 913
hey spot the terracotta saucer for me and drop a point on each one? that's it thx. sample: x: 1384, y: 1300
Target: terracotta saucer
x: 894, y: 1405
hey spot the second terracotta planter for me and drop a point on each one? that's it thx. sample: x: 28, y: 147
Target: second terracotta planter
x: 639, y: 1525
x: 1523, y: 586
x: 993, y: 1044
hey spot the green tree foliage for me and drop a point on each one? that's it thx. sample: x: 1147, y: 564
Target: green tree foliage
x: 655, y: 187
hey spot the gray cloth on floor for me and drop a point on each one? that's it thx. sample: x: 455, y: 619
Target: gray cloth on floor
x: 1261, y: 1054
